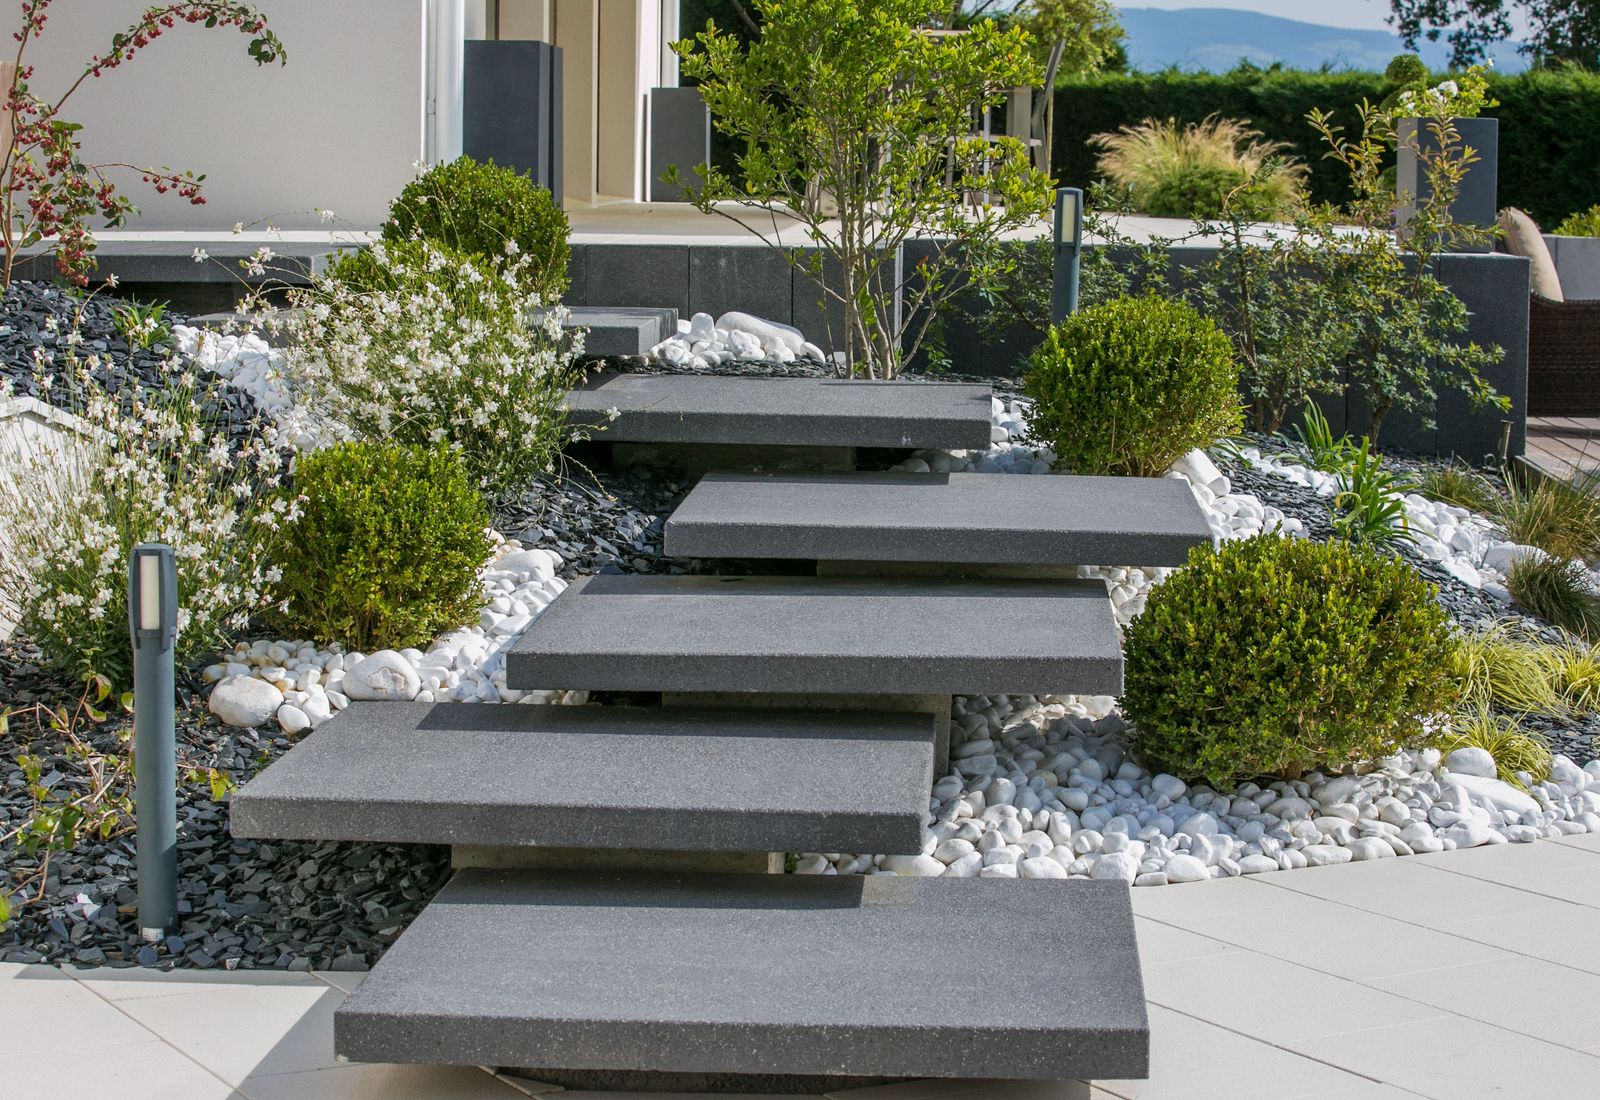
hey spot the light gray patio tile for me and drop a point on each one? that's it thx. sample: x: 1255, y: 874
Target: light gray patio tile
x: 970, y: 1089
x: 1161, y: 942
x: 1537, y: 998
x: 135, y: 983
x: 1180, y: 902
x: 149, y: 1070
x: 1453, y: 1058
x: 1410, y: 890
x: 369, y: 1082
x: 1251, y: 994
x: 1550, y: 870
x: 346, y: 980
x: 1338, y: 940
x: 1587, y: 842
x: 250, y: 1030
x: 1191, y: 1059
x: 60, y: 1017
x: 1564, y: 934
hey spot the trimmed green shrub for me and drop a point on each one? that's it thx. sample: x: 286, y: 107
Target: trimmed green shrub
x: 1130, y: 386
x: 1549, y: 145
x: 1274, y: 656
x: 1585, y: 223
x: 386, y: 551
x: 490, y: 212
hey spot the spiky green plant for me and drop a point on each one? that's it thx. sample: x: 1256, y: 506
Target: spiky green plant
x: 1459, y: 485
x: 1577, y: 669
x: 1556, y: 590
x: 1561, y: 518
x: 1325, y: 451
x: 1515, y: 748
x: 1501, y: 667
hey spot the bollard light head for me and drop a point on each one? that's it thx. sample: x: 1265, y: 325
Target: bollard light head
x: 153, y: 596
x: 1069, y: 218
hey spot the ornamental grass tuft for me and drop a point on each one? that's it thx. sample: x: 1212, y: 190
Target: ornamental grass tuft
x: 1514, y: 747
x: 1274, y: 656
x: 1501, y: 668
x: 1556, y: 590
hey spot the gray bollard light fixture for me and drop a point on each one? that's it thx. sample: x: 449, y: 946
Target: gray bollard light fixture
x: 153, y: 622
x: 1068, y: 251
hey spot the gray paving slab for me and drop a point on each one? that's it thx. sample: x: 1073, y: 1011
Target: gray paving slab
x: 964, y: 517
x: 822, y: 636
x: 819, y: 412
x: 776, y: 974
x: 700, y: 779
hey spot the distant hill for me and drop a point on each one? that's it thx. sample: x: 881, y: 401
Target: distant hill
x: 1217, y: 39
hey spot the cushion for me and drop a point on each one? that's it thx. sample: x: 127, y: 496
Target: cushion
x: 1524, y: 239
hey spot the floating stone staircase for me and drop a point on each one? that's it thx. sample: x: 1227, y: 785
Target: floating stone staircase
x: 584, y: 935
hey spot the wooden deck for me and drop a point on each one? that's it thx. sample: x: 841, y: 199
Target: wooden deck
x: 1564, y: 447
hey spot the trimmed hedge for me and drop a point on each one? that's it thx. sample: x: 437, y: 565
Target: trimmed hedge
x: 1549, y: 143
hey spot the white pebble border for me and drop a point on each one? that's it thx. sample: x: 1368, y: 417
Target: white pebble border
x: 1039, y: 788
x: 1468, y: 546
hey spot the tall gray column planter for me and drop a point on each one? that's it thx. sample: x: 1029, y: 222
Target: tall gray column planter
x: 511, y: 108
x: 1478, y: 202
x: 680, y: 135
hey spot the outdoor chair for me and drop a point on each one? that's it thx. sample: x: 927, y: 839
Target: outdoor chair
x: 1563, y: 336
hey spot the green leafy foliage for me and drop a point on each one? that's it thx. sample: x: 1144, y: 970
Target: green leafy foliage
x: 1131, y: 386
x: 1324, y: 451
x: 1549, y: 145
x: 1274, y: 656
x: 387, y: 548
x: 142, y: 326
x: 856, y: 126
x: 1556, y: 590
x: 415, y: 342
x: 1585, y: 223
x: 490, y: 212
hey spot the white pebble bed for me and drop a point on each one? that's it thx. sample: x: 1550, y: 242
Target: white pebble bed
x: 1045, y: 788
x: 702, y: 342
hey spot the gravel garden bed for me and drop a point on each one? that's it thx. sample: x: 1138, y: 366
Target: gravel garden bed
x: 1040, y: 787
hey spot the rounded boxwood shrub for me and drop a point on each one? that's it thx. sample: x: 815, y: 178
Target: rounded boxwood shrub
x: 480, y: 209
x: 385, y: 550
x: 1273, y: 656
x: 1132, y: 385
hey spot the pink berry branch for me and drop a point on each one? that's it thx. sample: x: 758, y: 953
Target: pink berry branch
x: 47, y: 190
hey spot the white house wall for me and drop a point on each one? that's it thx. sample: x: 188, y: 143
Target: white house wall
x: 339, y: 127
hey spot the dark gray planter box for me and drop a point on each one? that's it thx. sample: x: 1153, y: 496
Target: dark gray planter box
x: 680, y: 135
x: 511, y: 108
x: 1478, y: 202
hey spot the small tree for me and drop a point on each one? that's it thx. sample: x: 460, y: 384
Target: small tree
x: 858, y: 127
x: 46, y: 188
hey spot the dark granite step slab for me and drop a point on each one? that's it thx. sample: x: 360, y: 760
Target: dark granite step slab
x: 600, y: 777
x: 965, y: 518
x: 822, y: 636
x: 622, y: 330
x: 769, y: 974
x: 784, y: 412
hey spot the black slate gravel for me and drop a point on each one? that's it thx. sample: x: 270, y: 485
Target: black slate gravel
x: 25, y: 312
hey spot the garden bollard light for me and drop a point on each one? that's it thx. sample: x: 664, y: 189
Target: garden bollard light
x: 153, y: 621
x: 1069, y: 247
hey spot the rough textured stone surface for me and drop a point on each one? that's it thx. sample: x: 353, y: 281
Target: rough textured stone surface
x: 622, y: 331
x: 829, y: 412
x: 939, y: 518
x: 822, y: 635
x: 782, y: 974
x: 601, y: 777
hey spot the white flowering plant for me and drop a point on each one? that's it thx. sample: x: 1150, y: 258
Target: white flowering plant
x: 138, y: 466
x: 414, y: 342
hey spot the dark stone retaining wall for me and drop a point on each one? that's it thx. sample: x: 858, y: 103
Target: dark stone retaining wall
x: 716, y: 278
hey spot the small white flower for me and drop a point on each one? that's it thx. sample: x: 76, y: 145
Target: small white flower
x: 200, y: 256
